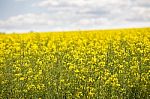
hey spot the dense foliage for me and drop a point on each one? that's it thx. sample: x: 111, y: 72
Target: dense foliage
x: 109, y: 64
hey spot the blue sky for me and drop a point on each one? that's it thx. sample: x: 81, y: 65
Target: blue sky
x: 60, y: 15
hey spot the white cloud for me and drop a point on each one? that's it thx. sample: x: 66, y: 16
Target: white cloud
x: 112, y: 9
x: 27, y: 21
x: 48, y: 3
x: 82, y: 14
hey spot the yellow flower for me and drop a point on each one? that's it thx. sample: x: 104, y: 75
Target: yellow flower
x: 71, y: 67
x: 22, y: 78
x: 77, y: 71
x: 62, y: 80
x: 40, y: 72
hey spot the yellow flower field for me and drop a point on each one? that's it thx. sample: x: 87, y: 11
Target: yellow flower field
x: 106, y: 64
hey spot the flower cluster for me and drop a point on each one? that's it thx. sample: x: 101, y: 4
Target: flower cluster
x: 111, y: 64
